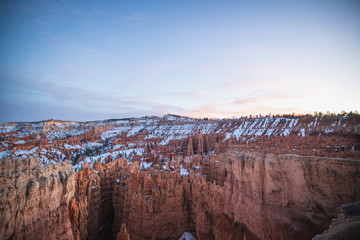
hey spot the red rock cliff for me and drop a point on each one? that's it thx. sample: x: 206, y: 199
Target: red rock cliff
x: 35, y: 199
x: 234, y: 196
x: 274, y: 197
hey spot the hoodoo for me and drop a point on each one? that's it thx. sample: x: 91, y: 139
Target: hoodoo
x: 180, y: 178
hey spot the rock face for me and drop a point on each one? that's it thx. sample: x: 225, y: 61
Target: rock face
x: 345, y: 226
x: 123, y: 235
x: 87, y: 205
x: 156, y: 178
x: 35, y: 199
x: 279, y: 197
x: 151, y: 203
x: 236, y: 195
x: 78, y: 212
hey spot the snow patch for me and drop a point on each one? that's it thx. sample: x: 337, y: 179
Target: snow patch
x: 135, y: 130
x: 67, y: 146
x: 5, y: 154
x: 125, y: 153
x: 286, y: 132
x: 118, y: 146
x: 187, y: 236
x: 7, y: 129
x: 302, y: 132
x: 92, y: 145
x: 25, y: 152
x: 145, y: 165
x: 183, y: 171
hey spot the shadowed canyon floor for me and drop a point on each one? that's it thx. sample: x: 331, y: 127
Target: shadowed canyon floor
x: 156, y: 178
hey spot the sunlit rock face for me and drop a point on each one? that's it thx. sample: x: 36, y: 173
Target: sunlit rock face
x: 158, y: 178
x: 35, y: 199
x: 233, y: 196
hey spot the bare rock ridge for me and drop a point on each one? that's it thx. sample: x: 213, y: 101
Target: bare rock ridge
x: 161, y: 178
x: 35, y: 199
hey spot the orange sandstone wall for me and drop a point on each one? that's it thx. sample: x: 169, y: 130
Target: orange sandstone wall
x: 234, y: 196
x: 35, y: 199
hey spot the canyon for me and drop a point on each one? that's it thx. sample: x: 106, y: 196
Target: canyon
x: 172, y: 176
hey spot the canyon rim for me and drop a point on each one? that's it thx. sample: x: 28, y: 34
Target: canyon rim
x: 172, y: 176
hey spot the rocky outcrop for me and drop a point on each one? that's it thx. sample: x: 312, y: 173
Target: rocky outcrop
x: 345, y: 226
x: 150, y: 203
x: 78, y: 212
x: 87, y: 204
x: 235, y: 196
x: 34, y: 200
x: 123, y: 234
x: 276, y: 197
x: 161, y: 177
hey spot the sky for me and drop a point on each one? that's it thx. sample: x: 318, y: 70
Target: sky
x: 92, y: 60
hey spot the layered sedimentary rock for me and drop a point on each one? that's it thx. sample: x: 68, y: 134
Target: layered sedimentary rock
x: 55, y: 141
x: 151, y: 203
x: 89, y: 202
x: 35, y: 199
x: 234, y: 196
x: 157, y: 177
x: 79, y: 216
x: 277, y: 197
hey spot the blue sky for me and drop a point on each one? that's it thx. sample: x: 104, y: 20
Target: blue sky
x: 88, y: 60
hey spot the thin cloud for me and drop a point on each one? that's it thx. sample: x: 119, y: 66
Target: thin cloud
x: 97, y: 11
x: 256, y: 103
x: 77, y: 103
x: 134, y: 17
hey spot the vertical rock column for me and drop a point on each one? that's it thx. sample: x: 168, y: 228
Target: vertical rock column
x: 34, y: 199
